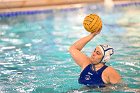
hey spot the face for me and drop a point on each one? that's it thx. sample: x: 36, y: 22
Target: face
x: 96, y: 55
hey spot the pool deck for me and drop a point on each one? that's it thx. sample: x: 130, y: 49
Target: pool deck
x: 24, y: 5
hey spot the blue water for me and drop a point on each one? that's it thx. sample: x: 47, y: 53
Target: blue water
x: 34, y: 54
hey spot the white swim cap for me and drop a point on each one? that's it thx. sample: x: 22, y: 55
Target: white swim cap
x: 107, y: 52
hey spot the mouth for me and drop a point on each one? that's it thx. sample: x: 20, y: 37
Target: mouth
x: 92, y: 57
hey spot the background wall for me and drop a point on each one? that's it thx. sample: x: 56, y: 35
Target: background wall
x: 21, y: 5
x: 31, y: 3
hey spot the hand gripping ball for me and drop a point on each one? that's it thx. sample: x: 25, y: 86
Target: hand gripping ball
x: 92, y: 23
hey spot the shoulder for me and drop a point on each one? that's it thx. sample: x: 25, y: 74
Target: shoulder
x: 113, y: 75
x: 110, y: 70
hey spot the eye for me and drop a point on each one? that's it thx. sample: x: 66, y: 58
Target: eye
x: 98, y: 53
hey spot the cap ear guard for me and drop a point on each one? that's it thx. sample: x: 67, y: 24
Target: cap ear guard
x: 110, y: 50
x: 106, y: 58
x: 107, y: 52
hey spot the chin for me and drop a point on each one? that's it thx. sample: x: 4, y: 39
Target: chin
x: 92, y: 60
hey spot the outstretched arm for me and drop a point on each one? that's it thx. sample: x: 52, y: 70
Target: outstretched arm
x: 75, y: 50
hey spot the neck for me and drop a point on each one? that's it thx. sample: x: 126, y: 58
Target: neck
x: 99, y: 65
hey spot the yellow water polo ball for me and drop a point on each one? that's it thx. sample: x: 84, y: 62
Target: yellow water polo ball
x: 92, y: 23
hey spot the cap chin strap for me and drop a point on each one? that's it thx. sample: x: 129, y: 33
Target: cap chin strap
x: 93, y: 65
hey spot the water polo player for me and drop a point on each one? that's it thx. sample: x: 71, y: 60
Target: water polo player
x: 94, y: 70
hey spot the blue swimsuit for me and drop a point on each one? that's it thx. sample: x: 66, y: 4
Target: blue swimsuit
x: 92, y: 78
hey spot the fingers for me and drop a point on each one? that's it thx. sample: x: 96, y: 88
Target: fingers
x: 97, y: 32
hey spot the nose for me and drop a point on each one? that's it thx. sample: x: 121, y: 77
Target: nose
x: 94, y: 54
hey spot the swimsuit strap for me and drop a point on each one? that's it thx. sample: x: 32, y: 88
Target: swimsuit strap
x: 102, y: 69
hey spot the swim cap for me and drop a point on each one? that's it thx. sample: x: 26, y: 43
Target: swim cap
x: 107, y: 52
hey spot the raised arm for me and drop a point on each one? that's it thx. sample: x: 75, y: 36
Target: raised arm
x: 75, y: 50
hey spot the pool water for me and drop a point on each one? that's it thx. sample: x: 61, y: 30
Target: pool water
x: 34, y: 55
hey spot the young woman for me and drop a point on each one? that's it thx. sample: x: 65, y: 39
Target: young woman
x: 94, y: 71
